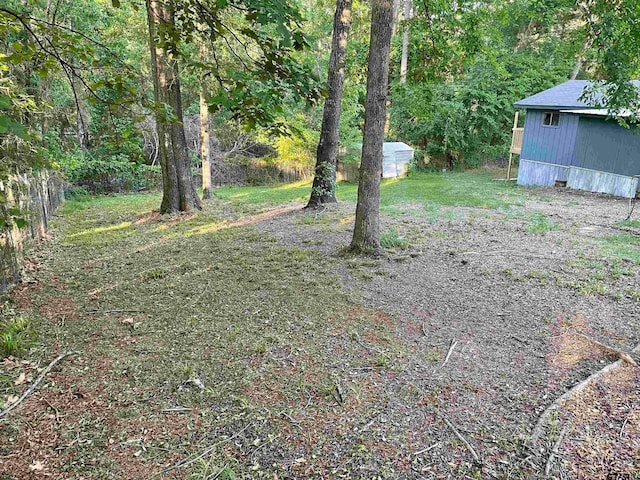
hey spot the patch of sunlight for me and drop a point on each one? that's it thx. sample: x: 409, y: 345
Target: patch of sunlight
x: 92, y: 231
x: 208, y: 228
x: 346, y: 220
x: 240, y: 195
x: 390, y: 181
x: 291, y: 186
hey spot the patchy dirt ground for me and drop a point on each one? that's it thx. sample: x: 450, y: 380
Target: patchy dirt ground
x: 237, y: 344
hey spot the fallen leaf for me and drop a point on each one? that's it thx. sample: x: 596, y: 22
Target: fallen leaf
x: 128, y: 321
x: 11, y: 400
x: 36, y: 467
x: 20, y: 380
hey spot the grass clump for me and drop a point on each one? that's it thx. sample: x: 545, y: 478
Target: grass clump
x: 17, y: 336
x: 392, y: 239
x: 541, y: 225
x: 629, y: 223
x: 624, y: 246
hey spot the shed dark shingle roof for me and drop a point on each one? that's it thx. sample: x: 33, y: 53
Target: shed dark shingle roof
x: 564, y: 96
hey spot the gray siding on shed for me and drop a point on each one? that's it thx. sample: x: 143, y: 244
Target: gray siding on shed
x: 549, y: 144
x: 605, y: 146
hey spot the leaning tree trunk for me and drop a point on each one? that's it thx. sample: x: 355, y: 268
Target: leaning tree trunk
x: 408, y: 5
x: 324, y: 183
x: 366, y: 234
x: 179, y: 192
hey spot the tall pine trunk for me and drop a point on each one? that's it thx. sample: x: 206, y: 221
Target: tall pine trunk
x: 179, y: 192
x: 324, y: 182
x: 366, y: 234
x: 404, y: 61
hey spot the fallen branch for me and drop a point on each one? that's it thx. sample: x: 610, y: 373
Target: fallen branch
x: 475, y: 456
x: 176, y: 410
x: 554, y: 451
x: 622, y: 355
x: 110, y: 312
x: 33, y: 386
x: 452, y: 345
x: 369, y: 347
x: 425, y: 450
x: 542, y: 421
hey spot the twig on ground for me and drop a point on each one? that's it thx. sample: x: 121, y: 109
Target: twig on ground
x: 340, y: 396
x: 293, y: 421
x: 542, y: 421
x: 609, y: 350
x: 176, y: 410
x: 424, y: 330
x: 515, y: 253
x: 33, y: 386
x: 425, y: 450
x: 108, y: 312
x: 555, y: 451
x: 624, y: 424
x: 369, y: 347
x: 463, y: 440
x: 452, y: 345
x: 194, y: 458
x: 195, y: 300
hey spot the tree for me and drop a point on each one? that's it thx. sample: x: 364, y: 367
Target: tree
x: 613, y: 27
x: 178, y: 191
x: 408, y: 6
x: 323, y: 190
x: 366, y: 234
x: 205, y: 150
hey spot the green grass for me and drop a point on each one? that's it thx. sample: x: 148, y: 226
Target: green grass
x: 432, y: 190
x: 392, y: 239
x: 624, y: 246
x: 539, y: 224
x: 629, y: 223
x: 17, y: 336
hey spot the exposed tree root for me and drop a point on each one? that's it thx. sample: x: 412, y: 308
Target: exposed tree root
x: 542, y: 421
x: 33, y: 386
x: 622, y: 355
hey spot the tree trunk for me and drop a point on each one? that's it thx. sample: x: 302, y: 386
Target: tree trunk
x: 205, y: 154
x: 408, y: 5
x: 324, y: 183
x: 205, y: 150
x: 82, y: 119
x: 179, y: 192
x: 366, y: 235
x: 580, y: 60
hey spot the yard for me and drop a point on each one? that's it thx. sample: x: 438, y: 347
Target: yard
x: 243, y: 342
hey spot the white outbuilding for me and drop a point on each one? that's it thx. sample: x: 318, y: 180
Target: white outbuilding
x: 397, y: 157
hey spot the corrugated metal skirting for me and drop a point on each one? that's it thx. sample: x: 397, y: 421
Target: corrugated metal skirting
x: 546, y: 174
x: 539, y: 173
x: 602, y: 182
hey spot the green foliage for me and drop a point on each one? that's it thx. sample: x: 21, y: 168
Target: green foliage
x: 327, y: 186
x: 17, y: 336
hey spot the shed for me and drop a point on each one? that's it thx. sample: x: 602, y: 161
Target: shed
x: 566, y: 141
x: 397, y: 156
